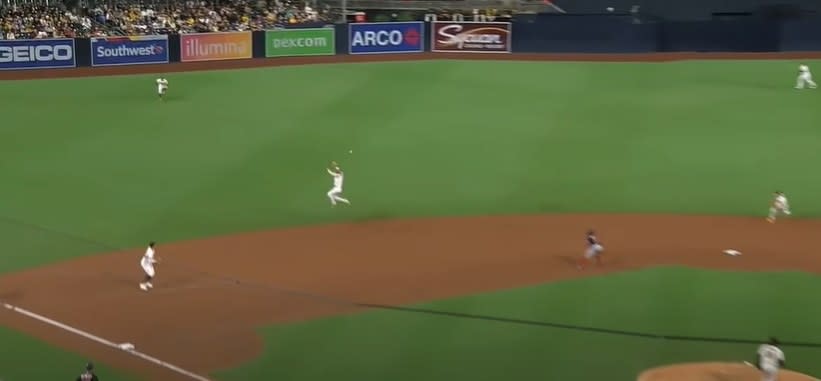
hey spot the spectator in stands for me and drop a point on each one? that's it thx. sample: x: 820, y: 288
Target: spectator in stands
x: 34, y: 21
x: 200, y: 17
x: 29, y: 21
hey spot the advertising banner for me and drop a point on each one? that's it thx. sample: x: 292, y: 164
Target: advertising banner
x: 37, y: 54
x: 471, y: 37
x: 215, y: 46
x: 388, y: 37
x: 134, y: 50
x: 300, y: 42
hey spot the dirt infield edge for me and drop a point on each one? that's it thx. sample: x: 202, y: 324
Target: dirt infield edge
x: 290, y: 275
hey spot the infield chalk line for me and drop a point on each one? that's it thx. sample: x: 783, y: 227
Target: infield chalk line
x: 104, y: 342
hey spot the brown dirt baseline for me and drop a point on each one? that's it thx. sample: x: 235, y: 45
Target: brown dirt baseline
x: 715, y: 371
x: 200, y: 318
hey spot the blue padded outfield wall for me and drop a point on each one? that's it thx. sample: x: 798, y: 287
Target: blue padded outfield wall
x: 533, y: 34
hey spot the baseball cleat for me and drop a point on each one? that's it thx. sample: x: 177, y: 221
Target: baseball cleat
x: 143, y: 287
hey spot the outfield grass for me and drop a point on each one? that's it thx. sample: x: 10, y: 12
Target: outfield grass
x: 104, y: 162
x: 399, y: 345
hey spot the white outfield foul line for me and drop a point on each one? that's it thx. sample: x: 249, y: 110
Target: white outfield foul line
x: 128, y: 348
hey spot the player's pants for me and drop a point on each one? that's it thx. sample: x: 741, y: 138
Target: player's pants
x: 593, y: 251
x: 805, y: 79
x: 769, y: 374
x: 334, y: 193
x: 148, y: 268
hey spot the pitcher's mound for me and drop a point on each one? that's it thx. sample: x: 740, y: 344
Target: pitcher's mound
x: 715, y: 371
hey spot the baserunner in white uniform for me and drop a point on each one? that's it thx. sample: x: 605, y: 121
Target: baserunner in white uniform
x: 147, y: 263
x: 780, y: 206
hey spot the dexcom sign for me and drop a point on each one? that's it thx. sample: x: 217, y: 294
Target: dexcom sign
x: 37, y: 54
x: 388, y: 37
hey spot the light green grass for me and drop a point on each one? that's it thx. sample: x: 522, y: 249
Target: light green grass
x: 245, y: 150
x: 671, y: 301
x: 93, y: 164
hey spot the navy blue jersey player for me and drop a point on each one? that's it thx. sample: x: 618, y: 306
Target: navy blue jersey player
x: 593, y: 251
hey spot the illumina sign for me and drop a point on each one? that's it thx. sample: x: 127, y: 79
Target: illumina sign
x: 215, y: 46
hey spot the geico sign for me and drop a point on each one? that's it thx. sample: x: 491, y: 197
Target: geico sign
x: 378, y: 38
x: 36, y: 53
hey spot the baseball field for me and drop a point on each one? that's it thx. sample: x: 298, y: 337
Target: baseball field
x: 472, y: 182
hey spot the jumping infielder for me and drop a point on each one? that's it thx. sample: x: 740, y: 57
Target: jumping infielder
x: 162, y: 87
x: 770, y: 360
x: 804, y: 78
x: 593, y: 252
x: 780, y: 205
x: 335, y: 193
x: 147, y: 263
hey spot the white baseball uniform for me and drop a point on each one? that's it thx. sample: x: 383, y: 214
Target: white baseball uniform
x: 770, y: 358
x: 336, y: 191
x: 147, y: 262
x: 782, y: 205
x: 162, y: 85
x: 804, y: 78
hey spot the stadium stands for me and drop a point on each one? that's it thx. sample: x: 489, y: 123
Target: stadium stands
x: 132, y: 18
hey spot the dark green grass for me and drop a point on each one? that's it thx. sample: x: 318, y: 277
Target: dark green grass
x: 24, y: 359
x: 671, y: 301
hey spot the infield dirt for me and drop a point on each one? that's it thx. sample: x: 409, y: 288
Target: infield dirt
x: 715, y: 372
x: 211, y: 294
